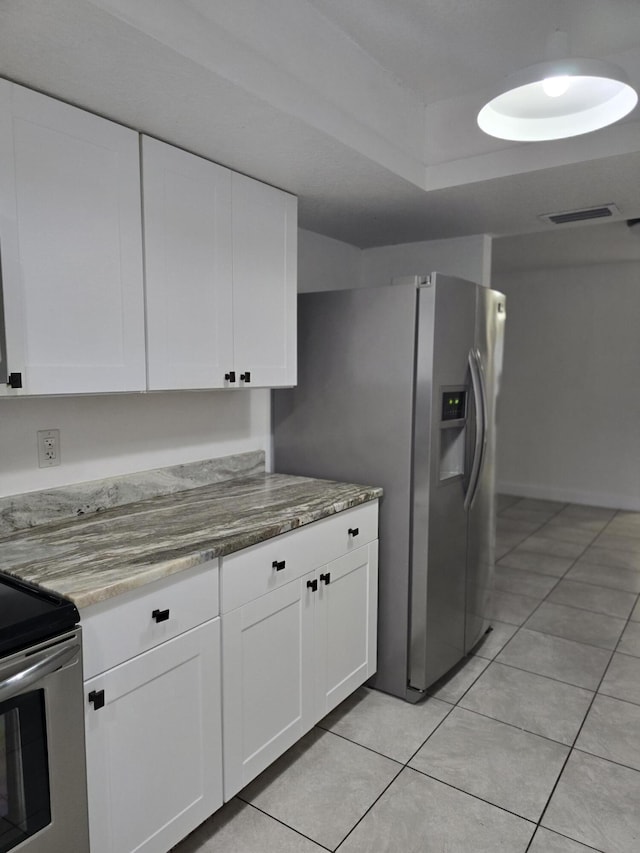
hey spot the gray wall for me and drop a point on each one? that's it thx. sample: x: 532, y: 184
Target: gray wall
x: 464, y: 257
x: 112, y: 434
x: 569, y: 425
x: 103, y: 436
x: 326, y: 264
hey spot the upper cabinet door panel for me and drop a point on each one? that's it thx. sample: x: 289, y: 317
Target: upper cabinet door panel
x: 264, y: 282
x: 187, y: 229
x: 71, y: 243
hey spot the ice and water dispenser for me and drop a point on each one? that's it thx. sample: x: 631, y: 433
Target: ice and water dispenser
x: 453, y: 420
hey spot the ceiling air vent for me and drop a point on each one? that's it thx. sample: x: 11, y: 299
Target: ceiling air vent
x: 603, y: 211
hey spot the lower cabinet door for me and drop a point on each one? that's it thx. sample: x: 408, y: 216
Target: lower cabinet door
x: 346, y: 626
x: 153, y: 737
x: 268, y: 679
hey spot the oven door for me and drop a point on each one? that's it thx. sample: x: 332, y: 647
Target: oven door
x: 43, y: 800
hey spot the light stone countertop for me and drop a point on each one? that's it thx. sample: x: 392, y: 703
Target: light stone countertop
x: 98, y: 556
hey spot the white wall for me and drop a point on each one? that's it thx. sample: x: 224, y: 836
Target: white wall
x: 103, y: 436
x: 569, y: 424
x: 465, y: 257
x: 107, y: 435
x: 326, y: 264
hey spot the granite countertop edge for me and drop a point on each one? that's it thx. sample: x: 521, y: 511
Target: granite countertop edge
x: 86, y: 584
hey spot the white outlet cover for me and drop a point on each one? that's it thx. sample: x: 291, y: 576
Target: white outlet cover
x: 48, y: 448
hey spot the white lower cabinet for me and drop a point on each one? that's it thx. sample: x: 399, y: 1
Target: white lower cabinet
x: 268, y: 689
x: 179, y: 700
x: 346, y: 616
x: 292, y: 655
x: 153, y: 731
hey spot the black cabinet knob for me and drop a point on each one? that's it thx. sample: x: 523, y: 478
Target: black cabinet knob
x: 278, y: 565
x: 245, y: 377
x: 160, y: 615
x: 230, y: 376
x: 353, y: 531
x: 326, y: 578
x: 313, y: 585
x: 15, y: 380
x: 96, y: 697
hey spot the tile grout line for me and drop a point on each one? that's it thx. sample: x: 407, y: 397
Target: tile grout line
x: 595, y: 754
x: 588, y: 609
x: 406, y: 766
x: 516, y: 727
x: 551, y: 517
x: 362, y: 817
x: 282, y: 823
x: 549, y: 677
x: 561, y: 578
x: 474, y: 796
x: 584, y: 719
x: 570, y: 746
x: 595, y: 693
x: 363, y: 745
x: 570, y: 751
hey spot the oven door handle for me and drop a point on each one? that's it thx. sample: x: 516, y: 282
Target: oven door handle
x: 26, y: 678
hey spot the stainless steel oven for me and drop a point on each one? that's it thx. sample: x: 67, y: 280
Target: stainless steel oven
x: 43, y: 799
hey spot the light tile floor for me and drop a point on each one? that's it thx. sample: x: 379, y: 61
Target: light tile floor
x: 532, y: 744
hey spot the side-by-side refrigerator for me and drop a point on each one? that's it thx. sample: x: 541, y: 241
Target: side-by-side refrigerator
x: 397, y: 388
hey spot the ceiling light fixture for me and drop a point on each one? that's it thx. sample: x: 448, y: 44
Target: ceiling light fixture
x: 557, y: 99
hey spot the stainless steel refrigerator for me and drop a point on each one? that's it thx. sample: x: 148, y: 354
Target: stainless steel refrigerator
x: 397, y: 387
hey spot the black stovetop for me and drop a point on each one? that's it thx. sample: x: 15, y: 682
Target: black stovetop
x: 29, y: 614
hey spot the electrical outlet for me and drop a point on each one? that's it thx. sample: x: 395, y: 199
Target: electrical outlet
x: 48, y: 448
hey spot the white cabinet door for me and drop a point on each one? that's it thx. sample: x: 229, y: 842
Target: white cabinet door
x: 264, y: 282
x: 187, y: 231
x: 71, y: 248
x: 154, y: 768
x: 345, y: 625
x: 267, y: 680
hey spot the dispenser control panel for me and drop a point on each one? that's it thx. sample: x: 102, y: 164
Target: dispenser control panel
x: 453, y: 405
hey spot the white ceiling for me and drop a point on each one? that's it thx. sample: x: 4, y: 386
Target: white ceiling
x: 446, y: 48
x: 363, y: 108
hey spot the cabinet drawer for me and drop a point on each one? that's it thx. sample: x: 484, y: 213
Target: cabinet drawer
x: 254, y: 571
x: 124, y: 626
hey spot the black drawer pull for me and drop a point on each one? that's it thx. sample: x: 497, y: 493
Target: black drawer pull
x: 353, y: 531
x: 326, y: 578
x: 245, y: 377
x: 230, y: 376
x: 160, y: 615
x: 278, y: 565
x: 15, y: 380
x: 96, y: 697
x: 313, y: 585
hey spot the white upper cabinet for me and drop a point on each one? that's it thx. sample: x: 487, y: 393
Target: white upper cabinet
x: 265, y: 237
x: 71, y: 249
x: 220, y: 259
x: 187, y: 234
x: 221, y: 274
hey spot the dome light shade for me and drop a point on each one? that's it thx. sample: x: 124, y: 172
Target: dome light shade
x: 554, y: 100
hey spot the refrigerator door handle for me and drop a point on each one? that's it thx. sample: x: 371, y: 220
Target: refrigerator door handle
x: 477, y: 383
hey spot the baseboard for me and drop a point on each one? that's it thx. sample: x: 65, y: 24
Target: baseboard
x: 574, y: 496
